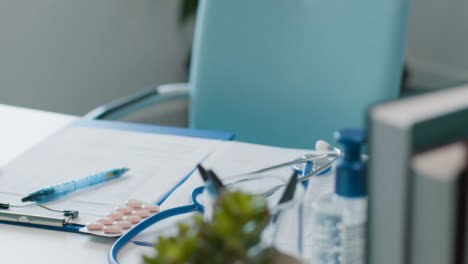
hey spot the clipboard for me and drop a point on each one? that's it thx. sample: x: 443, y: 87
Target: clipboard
x: 61, y: 223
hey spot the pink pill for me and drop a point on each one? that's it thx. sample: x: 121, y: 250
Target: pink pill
x: 132, y: 218
x: 115, y: 215
x: 151, y: 207
x: 123, y: 224
x: 124, y: 210
x: 112, y: 229
x: 133, y: 203
x: 106, y: 221
x: 95, y: 226
x: 141, y: 213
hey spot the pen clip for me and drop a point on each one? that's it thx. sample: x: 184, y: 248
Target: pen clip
x: 217, y: 184
x: 203, y: 173
x: 287, y: 196
x: 212, y: 181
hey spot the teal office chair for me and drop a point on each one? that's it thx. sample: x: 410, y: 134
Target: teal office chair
x: 284, y: 72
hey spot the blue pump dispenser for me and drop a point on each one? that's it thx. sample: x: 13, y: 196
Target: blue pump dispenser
x: 350, y: 168
x: 340, y: 218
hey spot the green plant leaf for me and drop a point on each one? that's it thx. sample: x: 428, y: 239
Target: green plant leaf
x: 236, y: 227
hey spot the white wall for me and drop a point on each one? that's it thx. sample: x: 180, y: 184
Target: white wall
x: 437, y: 49
x: 72, y: 55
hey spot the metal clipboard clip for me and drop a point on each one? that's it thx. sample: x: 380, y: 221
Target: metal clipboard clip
x: 34, y: 219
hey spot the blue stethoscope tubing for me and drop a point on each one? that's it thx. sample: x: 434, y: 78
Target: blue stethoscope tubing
x: 194, y: 207
x: 124, y: 239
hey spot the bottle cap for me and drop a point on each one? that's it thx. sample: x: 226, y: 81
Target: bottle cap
x: 350, y: 168
x: 351, y: 140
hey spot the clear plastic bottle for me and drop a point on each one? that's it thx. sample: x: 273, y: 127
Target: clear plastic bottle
x: 339, y: 218
x: 353, y: 230
x: 326, y: 241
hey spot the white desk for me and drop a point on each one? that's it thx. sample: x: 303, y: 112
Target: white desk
x: 20, y: 129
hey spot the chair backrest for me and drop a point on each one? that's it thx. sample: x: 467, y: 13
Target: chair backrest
x: 289, y: 72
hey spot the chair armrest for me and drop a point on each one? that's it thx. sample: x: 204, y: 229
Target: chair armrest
x: 127, y: 105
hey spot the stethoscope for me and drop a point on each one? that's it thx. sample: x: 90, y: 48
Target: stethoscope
x: 196, y: 206
x: 309, y: 165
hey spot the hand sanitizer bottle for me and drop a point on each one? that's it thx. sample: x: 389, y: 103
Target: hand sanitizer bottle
x: 339, y: 218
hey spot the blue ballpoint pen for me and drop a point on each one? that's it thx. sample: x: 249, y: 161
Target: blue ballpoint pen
x: 56, y: 191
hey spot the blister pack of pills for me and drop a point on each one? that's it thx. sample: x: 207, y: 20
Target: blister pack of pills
x: 119, y: 221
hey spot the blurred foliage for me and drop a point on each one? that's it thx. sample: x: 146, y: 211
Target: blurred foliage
x: 237, y: 223
x: 188, y: 10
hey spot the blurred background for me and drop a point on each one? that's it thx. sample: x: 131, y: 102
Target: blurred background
x: 70, y: 56
x: 436, y: 46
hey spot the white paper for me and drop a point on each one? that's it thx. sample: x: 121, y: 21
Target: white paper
x: 157, y: 163
x: 232, y: 158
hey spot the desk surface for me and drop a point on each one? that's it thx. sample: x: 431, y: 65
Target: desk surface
x: 21, y: 129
